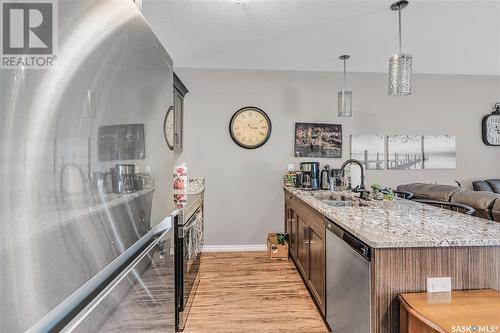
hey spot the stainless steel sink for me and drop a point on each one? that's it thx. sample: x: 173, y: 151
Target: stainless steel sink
x: 340, y: 201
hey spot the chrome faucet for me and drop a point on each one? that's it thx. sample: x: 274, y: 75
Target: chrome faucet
x: 361, y: 187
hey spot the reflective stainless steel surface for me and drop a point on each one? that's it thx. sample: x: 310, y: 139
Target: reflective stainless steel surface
x: 57, y: 231
x: 348, y: 288
x: 125, y: 168
x: 140, y: 299
x: 123, y: 178
x: 189, y: 239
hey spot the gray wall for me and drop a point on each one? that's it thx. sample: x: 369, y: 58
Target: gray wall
x: 244, y: 197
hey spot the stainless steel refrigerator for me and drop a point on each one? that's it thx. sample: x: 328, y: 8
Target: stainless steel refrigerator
x: 73, y: 255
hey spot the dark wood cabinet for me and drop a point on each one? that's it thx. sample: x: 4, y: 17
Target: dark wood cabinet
x: 306, y: 229
x: 178, y: 121
x: 288, y: 225
x: 180, y: 92
x: 317, y: 269
x: 302, y: 247
x: 291, y: 229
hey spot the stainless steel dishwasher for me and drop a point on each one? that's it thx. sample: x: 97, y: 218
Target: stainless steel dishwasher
x: 348, y: 303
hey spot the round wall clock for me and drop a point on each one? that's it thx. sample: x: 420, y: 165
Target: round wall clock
x: 168, y: 128
x: 491, y: 127
x: 250, y: 127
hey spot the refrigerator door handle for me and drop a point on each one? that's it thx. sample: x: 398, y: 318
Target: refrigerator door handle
x: 59, y: 313
x: 109, y: 288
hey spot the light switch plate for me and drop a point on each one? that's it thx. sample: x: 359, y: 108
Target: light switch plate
x: 438, y: 284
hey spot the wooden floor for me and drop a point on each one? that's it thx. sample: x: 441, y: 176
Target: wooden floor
x: 247, y: 292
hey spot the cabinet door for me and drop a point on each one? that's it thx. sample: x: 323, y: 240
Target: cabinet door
x: 178, y: 121
x: 289, y: 226
x: 293, y: 233
x: 317, y: 267
x: 302, y: 247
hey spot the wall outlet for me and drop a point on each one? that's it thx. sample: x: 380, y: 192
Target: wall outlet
x: 148, y: 169
x: 438, y: 284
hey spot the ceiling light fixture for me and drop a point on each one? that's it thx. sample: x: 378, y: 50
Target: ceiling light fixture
x: 345, y: 96
x: 400, y: 64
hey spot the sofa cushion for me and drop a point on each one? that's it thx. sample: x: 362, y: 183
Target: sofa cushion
x: 495, y: 211
x: 480, y: 201
x: 495, y: 184
x: 481, y: 185
x: 430, y: 191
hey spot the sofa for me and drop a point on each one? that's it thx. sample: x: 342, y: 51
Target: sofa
x: 488, y: 185
x: 486, y: 203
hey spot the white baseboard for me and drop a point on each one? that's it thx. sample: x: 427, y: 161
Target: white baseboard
x: 234, y: 248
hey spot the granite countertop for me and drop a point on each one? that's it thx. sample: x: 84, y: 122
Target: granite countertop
x: 404, y: 223
x: 81, y: 206
x: 195, y: 186
x: 107, y: 201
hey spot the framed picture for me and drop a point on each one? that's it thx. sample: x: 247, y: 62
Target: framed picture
x: 440, y: 152
x: 318, y: 140
x: 405, y: 152
x: 370, y: 150
x: 121, y: 142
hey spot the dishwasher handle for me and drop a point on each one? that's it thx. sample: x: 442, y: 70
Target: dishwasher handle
x: 356, y: 244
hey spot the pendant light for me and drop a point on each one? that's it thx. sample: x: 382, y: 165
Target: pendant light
x: 345, y: 96
x: 400, y: 64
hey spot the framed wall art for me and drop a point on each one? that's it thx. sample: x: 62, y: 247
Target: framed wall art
x: 370, y: 150
x: 121, y: 142
x: 440, y: 152
x: 318, y: 140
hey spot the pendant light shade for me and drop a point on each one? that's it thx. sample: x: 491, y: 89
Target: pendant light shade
x: 400, y: 65
x: 345, y: 96
x: 400, y: 75
x: 345, y: 103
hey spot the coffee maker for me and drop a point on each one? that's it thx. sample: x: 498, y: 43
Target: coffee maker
x: 310, y: 175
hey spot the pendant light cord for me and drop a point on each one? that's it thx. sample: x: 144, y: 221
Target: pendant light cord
x: 344, y: 75
x: 399, y: 12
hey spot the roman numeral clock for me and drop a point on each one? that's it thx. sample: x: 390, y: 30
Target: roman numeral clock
x: 491, y: 127
x: 250, y: 127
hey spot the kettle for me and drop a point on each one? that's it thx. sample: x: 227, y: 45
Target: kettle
x: 325, y: 178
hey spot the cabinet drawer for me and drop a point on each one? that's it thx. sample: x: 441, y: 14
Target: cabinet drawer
x: 314, y: 219
x: 290, y: 199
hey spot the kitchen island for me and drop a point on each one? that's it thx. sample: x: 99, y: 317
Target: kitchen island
x: 408, y: 242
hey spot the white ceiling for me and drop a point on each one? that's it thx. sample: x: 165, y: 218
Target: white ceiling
x: 449, y: 37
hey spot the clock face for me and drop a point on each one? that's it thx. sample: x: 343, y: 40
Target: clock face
x: 491, y: 130
x: 168, y: 128
x: 250, y: 127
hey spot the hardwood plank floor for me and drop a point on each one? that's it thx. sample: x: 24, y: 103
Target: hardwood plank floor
x: 247, y: 292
